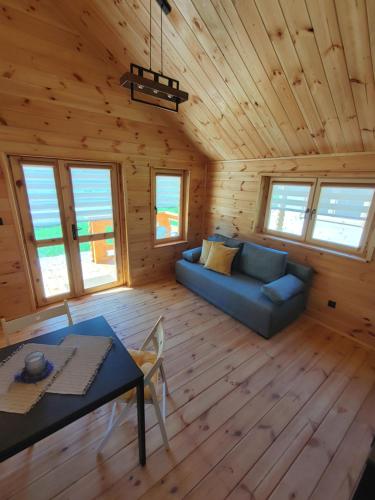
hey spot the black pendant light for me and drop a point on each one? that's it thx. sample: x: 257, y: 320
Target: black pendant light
x: 156, y: 86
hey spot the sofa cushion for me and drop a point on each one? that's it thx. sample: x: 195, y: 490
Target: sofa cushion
x: 192, y: 255
x: 225, y: 287
x: 231, y: 243
x: 220, y: 259
x: 283, y: 289
x: 206, y: 247
x: 262, y: 263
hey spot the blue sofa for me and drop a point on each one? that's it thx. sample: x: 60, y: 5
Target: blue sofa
x: 266, y: 291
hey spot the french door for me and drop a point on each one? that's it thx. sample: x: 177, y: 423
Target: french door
x: 70, y: 218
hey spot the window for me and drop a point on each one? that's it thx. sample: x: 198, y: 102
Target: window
x: 169, y: 205
x: 288, y: 207
x: 332, y: 213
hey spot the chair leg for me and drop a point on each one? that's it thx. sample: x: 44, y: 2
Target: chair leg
x: 113, y: 411
x: 116, y: 423
x: 164, y: 400
x: 159, y: 416
x: 164, y: 378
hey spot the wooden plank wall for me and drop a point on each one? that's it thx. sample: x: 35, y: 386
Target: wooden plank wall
x: 232, y: 201
x: 13, y: 280
x: 146, y: 262
x: 58, y: 98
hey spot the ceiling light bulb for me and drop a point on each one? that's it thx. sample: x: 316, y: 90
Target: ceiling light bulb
x: 170, y: 96
x: 155, y: 91
x: 140, y: 87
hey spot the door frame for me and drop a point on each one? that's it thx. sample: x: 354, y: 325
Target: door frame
x: 25, y: 228
x: 70, y: 218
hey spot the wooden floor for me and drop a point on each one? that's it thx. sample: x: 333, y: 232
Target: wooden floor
x: 292, y: 417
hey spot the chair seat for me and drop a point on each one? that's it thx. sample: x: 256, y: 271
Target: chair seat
x: 145, y: 360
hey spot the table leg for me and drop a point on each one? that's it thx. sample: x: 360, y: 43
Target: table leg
x: 141, y: 423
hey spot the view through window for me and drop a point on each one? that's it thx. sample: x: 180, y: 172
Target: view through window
x: 69, y: 213
x: 169, y: 205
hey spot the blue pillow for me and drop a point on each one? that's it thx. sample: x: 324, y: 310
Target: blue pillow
x: 192, y: 255
x: 262, y: 263
x: 283, y: 289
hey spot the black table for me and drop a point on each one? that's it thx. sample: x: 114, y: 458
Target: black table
x: 117, y: 374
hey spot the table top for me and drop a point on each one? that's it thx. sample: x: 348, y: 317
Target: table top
x: 117, y: 374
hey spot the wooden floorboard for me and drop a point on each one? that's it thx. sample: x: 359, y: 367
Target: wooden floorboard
x: 248, y: 418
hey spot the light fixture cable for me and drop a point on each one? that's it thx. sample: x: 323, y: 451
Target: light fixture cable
x: 141, y: 80
x: 161, y: 40
x: 150, y: 35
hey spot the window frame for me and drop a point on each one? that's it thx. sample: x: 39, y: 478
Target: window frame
x: 184, y: 176
x: 290, y: 180
x: 306, y: 238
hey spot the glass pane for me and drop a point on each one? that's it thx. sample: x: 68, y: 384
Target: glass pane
x: 288, y: 207
x: 98, y: 262
x: 168, y: 199
x: 44, y: 206
x: 54, y: 270
x: 341, y: 214
x: 92, y: 200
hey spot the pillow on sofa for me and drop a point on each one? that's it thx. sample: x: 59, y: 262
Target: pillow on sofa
x: 283, y: 289
x: 262, y: 263
x: 231, y: 243
x: 220, y: 259
x: 206, y: 247
x: 192, y: 255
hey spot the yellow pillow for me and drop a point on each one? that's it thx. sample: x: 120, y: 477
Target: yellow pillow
x: 220, y: 259
x: 206, y: 247
x: 145, y: 360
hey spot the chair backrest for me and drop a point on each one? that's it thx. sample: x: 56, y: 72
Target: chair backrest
x: 31, y: 319
x: 156, y: 336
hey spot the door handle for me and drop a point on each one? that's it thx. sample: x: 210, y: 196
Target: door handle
x: 74, y: 232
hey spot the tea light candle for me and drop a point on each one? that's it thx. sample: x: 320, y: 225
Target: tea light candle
x: 35, y: 363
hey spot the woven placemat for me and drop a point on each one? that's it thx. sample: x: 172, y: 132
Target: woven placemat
x: 16, y: 397
x: 82, y: 368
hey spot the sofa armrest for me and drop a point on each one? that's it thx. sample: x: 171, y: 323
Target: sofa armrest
x: 192, y: 255
x: 283, y: 288
x: 304, y: 273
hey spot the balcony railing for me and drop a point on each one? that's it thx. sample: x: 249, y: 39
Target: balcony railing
x: 167, y: 225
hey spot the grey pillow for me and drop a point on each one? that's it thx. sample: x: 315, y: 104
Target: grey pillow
x: 283, y: 289
x: 262, y: 263
x: 192, y: 255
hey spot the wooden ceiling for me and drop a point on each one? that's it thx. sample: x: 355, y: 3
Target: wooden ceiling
x: 266, y: 77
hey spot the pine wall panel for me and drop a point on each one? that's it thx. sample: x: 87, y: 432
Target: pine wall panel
x: 232, y: 209
x: 58, y: 98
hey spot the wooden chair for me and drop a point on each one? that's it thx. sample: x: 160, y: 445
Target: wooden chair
x: 34, y: 318
x: 152, y: 367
